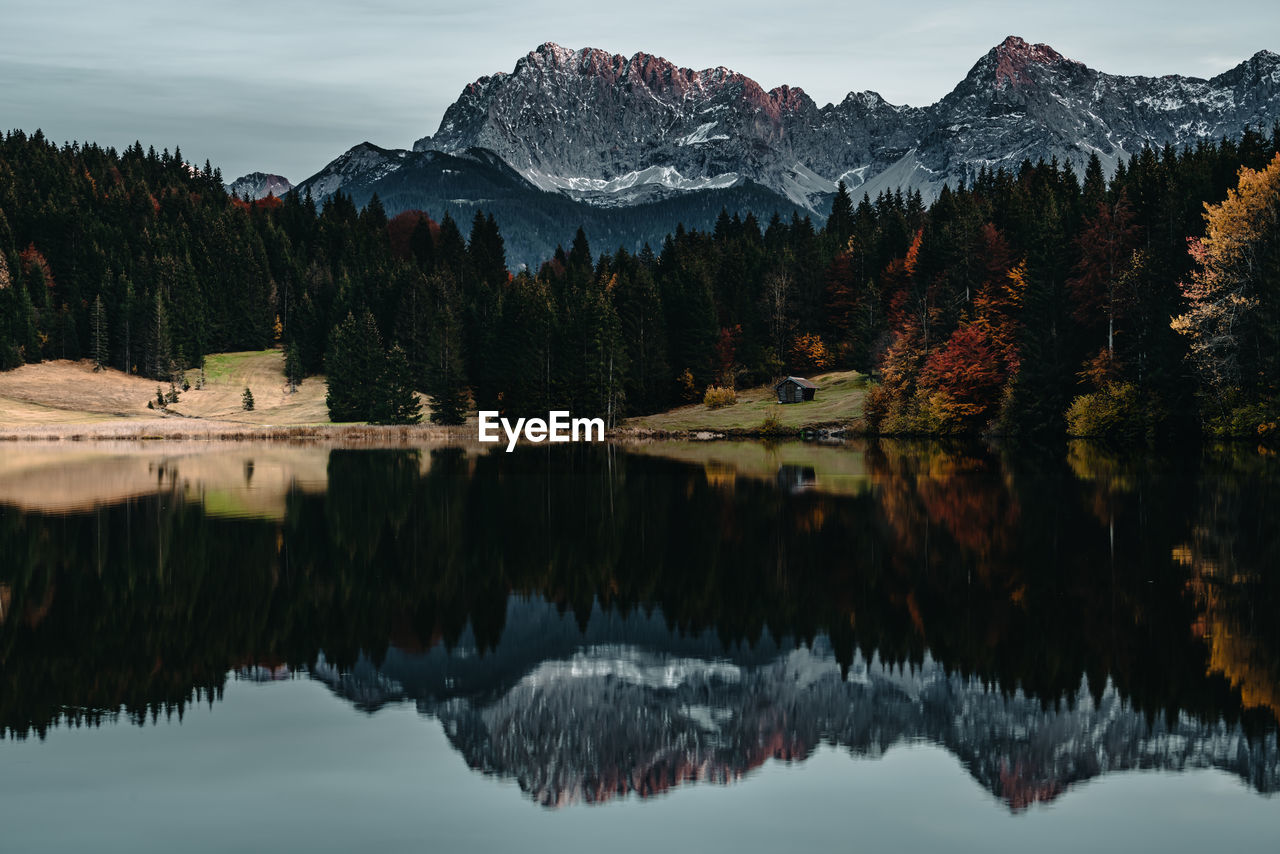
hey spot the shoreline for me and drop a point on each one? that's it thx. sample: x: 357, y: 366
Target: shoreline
x: 195, y: 429
x: 836, y: 431
x: 192, y: 429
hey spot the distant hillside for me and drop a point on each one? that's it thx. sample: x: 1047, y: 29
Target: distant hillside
x: 534, y: 221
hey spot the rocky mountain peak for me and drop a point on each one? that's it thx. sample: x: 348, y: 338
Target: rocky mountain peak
x: 259, y: 185
x: 1266, y: 63
x: 1011, y: 62
x: 617, y: 131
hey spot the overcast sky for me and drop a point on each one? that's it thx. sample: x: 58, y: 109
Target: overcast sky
x: 286, y: 85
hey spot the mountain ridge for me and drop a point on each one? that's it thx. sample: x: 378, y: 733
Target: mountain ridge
x: 605, y: 131
x: 624, y: 706
x: 562, y: 117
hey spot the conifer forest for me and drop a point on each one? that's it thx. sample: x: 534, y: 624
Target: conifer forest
x: 1032, y: 302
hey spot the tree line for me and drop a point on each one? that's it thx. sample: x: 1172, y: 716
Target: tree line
x: 1029, y: 301
x: 1166, y: 593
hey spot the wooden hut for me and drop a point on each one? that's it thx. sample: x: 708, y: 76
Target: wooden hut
x: 795, y: 389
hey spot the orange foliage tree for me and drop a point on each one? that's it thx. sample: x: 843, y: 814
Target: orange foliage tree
x: 967, y: 372
x: 810, y: 353
x: 1231, y: 318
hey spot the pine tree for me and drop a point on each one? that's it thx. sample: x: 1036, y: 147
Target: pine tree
x: 353, y: 364
x: 445, y: 376
x: 840, y: 223
x: 395, y: 401
x: 423, y: 245
x: 246, y: 400
x: 98, y: 330
x: 486, y: 251
x: 293, y: 366
x: 161, y: 343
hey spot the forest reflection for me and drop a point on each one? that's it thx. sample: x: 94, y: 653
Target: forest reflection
x: 1058, y: 577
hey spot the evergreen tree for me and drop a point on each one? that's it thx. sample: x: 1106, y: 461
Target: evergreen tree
x: 98, y: 327
x: 293, y: 366
x: 840, y: 223
x: 353, y: 364
x: 395, y: 401
x: 445, y: 374
x: 160, y: 254
x: 161, y: 343
x: 486, y: 251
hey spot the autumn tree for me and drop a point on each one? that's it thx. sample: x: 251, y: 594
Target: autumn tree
x: 1106, y: 248
x: 1233, y: 296
x: 810, y: 353
x: 999, y: 298
x: 968, y: 374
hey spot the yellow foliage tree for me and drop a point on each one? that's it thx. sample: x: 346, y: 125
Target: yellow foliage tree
x: 1232, y: 317
x: 811, y: 353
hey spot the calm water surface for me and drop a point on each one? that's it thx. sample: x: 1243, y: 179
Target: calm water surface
x: 728, y: 646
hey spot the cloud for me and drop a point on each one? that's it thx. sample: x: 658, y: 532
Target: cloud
x: 287, y: 85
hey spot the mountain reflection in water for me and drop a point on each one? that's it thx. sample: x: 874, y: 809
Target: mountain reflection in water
x: 593, y: 622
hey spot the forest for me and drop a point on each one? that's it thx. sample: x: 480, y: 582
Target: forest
x: 1030, y: 302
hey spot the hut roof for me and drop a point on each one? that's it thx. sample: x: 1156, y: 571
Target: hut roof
x: 800, y: 381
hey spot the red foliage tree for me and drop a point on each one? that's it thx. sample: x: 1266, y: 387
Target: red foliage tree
x: 968, y: 370
x: 400, y: 230
x: 1106, y: 249
x: 727, y: 354
x: 999, y: 299
x: 898, y: 283
x: 841, y: 294
x: 36, y: 268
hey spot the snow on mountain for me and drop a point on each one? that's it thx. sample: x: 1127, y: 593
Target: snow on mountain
x: 573, y: 138
x: 363, y: 164
x: 259, y: 185
x: 589, y: 121
x: 626, y: 706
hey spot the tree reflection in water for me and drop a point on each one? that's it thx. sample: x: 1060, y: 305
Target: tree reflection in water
x: 1045, y: 617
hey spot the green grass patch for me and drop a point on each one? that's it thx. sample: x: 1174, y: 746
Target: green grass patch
x: 219, y: 367
x: 840, y: 470
x: 838, y: 401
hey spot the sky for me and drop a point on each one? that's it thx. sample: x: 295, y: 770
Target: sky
x: 285, y: 86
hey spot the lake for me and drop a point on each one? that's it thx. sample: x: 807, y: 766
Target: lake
x: 727, y: 646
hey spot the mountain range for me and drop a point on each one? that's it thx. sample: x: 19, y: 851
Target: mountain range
x: 626, y: 706
x: 569, y: 135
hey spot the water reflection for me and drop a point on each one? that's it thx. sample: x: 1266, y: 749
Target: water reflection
x: 623, y: 707
x: 595, y: 623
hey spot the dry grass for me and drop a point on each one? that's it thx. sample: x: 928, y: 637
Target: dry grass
x: 65, y: 392
x: 227, y: 375
x: 838, y: 403
x: 249, y: 479
x: 194, y: 429
x: 68, y: 400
